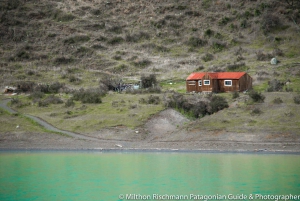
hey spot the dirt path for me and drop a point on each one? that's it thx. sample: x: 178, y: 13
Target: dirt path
x: 46, y: 125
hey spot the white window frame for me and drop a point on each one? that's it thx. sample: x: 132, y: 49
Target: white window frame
x: 191, y: 82
x: 227, y: 85
x: 200, y: 83
x: 206, y: 81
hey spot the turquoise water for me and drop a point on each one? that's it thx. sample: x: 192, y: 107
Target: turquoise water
x: 110, y: 175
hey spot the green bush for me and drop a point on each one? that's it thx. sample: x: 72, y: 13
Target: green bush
x: 115, y: 40
x: 256, y: 111
x: 297, y: 99
x: 256, y: 96
x: 196, y: 42
x: 207, y: 57
x: 151, y: 100
x: 69, y: 103
x: 37, y: 95
x: 148, y: 81
x: 217, y: 103
x: 277, y: 100
x: 88, y: 96
x: 235, y: 95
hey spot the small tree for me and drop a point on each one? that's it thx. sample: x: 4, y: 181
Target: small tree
x: 257, y: 96
x: 148, y: 81
x: 217, y: 103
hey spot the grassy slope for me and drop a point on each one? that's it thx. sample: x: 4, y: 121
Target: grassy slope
x: 54, y: 40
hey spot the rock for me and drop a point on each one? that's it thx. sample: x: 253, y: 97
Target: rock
x: 274, y: 61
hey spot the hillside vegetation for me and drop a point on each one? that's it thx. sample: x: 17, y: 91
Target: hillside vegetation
x: 82, y: 43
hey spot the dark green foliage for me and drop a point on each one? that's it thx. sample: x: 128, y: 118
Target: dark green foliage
x: 151, y: 100
x: 196, y: 42
x: 137, y: 37
x: 207, y: 57
x: 275, y: 85
x: 256, y: 111
x: 115, y: 29
x: 244, y: 24
x: 224, y: 20
x: 115, y: 40
x: 77, y: 39
x: 218, y: 45
x: 141, y: 63
x: 62, y: 17
x: 49, y: 88
x: 261, y: 56
x: 63, y: 60
x: 50, y: 100
x: 69, y: 103
x: 88, y: 96
x: 236, y: 66
x: 297, y: 99
x: 109, y: 83
x: 37, y: 95
x: 74, y: 79
x: 25, y: 86
x: 277, y: 100
x: 269, y: 22
x: 256, y: 96
x: 159, y: 24
x: 217, y: 103
x: 235, y: 95
x: 148, y: 81
x: 209, y: 33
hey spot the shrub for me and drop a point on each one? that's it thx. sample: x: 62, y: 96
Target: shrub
x: 115, y: 40
x: 151, y: 100
x: 224, y: 21
x: 218, y: 45
x: 69, y: 103
x: 275, y: 85
x: 208, y: 33
x: 217, y: 103
x: 235, y: 66
x: 256, y: 111
x: 148, y: 81
x: 269, y: 22
x: 137, y: 37
x: 109, y: 83
x: 37, y: 95
x: 297, y: 99
x: 277, y: 100
x: 25, y: 86
x: 235, y: 95
x: 196, y: 42
x: 261, y: 56
x: 207, y: 57
x: 141, y: 63
x: 116, y: 29
x: 53, y: 100
x: 63, y: 60
x: 77, y: 39
x: 256, y: 96
x: 74, y: 79
x: 88, y: 96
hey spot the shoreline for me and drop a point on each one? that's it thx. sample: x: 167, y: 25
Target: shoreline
x: 154, y: 150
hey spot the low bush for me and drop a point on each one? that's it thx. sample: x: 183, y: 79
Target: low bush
x: 88, y: 96
x: 141, y: 63
x: 261, y: 56
x: 256, y: 96
x: 235, y: 66
x: 196, y: 42
x: 37, y: 95
x: 150, y: 100
x: 115, y: 40
x: 50, y: 100
x: 69, y: 103
x: 207, y: 57
x: 275, y: 85
x: 277, y: 100
x: 218, y: 46
x: 217, y: 103
x: 77, y: 39
x: 26, y: 86
x: 297, y: 99
x: 269, y: 22
x: 256, y: 111
x: 235, y: 95
x: 148, y: 81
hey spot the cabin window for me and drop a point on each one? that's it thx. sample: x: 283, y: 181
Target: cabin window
x: 200, y: 83
x: 206, y: 82
x: 191, y: 82
x: 228, y: 83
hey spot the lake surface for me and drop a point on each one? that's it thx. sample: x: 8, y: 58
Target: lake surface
x: 113, y: 176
